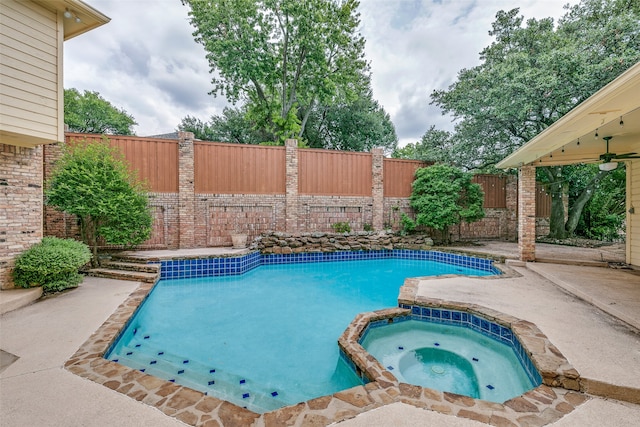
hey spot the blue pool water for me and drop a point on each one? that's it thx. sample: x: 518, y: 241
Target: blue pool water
x: 266, y: 338
x: 449, y: 358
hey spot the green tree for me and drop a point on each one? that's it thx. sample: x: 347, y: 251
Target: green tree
x: 443, y: 196
x: 281, y: 57
x: 90, y: 113
x: 434, y: 146
x: 233, y: 125
x: 605, y: 213
x: 92, y: 181
x: 351, y: 126
x: 532, y: 75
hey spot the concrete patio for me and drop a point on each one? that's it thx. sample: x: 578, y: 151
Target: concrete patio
x: 604, y: 346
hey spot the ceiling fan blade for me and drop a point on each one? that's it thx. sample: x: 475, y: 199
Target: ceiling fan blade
x: 624, y: 156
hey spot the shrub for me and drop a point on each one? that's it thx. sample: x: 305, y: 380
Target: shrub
x: 52, y: 264
x: 341, y: 227
x: 443, y: 196
x: 92, y: 181
x: 367, y: 227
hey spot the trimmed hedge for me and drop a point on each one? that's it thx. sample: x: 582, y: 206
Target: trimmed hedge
x: 52, y: 264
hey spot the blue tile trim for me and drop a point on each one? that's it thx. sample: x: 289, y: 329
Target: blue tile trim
x: 475, y: 322
x: 203, y: 267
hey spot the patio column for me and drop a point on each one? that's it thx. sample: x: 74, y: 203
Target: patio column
x: 377, y: 190
x: 527, y: 213
x: 291, y: 197
x: 186, y: 190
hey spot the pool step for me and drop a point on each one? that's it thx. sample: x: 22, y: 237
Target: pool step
x: 111, y: 273
x: 131, y: 266
x: 241, y: 390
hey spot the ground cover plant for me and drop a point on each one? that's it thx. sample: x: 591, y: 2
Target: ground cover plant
x: 53, y: 264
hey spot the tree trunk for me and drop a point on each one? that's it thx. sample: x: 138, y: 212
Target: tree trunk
x: 88, y: 231
x: 576, y: 209
x: 557, y: 228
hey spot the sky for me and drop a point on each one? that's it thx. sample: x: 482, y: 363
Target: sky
x: 146, y: 61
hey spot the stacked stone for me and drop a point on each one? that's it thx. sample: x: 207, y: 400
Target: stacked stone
x: 288, y: 243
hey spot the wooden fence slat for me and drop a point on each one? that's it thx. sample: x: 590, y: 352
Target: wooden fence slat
x: 238, y: 169
x: 155, y: 161
x: 340, y: 173
x: 399, y: 175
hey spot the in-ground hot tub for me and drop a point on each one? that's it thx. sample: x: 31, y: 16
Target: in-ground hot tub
x: 452, y: 357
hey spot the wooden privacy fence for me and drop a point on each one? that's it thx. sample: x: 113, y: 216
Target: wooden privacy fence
x: 201, y: 192
x: 400, y: 174
x: 154, y: 161
x: 238, y: 169
x: 249, y: 169
x: 339, y: 173
x: 494, y: 188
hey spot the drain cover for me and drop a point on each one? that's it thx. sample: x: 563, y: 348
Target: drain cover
x: 437, y: 369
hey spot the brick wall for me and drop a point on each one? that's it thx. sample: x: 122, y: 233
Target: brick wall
x: 188, y: 219
x: 20, y: 205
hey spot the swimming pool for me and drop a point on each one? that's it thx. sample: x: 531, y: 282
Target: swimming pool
x: 265, y: 338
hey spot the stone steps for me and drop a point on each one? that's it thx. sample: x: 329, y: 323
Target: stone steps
x: 131, y: 266
x: 112, y: 273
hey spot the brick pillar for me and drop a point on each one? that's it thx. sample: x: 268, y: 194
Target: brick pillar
x: 186, y: 190
x: 511, y: 233
x: 21, y: 210
x: 527, y: 213
x: 291, y: 198
x: 377, y: 190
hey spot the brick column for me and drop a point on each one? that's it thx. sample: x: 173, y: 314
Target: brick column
x: 527, y: 213
x: 291, y: 197
x: 186, y: 190
x: 377, y: 190
x: 511, y: 233
x: 21, y: 211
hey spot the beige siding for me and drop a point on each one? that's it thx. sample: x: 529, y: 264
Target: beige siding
x: 30, y: 71
x: 633, y: 219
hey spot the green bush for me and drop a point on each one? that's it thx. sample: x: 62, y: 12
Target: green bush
x: 52, y: 264
x: 341, y: 227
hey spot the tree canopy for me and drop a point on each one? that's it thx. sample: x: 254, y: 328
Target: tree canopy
x: 532, y: 74
x: 351, y: 126
x: 92, y: 181
x: 282, y: 58
x: 90, y: 113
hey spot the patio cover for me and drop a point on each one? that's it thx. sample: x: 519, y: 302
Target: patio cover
x: 601, y: 113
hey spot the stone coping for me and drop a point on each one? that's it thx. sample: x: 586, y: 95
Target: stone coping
x: 557, y: 396
x: 539, y: 406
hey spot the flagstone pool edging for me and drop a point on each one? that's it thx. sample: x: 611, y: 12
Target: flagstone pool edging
x: 540, y: 406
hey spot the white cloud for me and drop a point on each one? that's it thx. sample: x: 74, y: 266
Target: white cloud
x: 147, y: 62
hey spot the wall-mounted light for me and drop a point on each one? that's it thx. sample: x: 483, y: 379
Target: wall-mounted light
x: 68, y: 14
x: 621, y: 122
x: 596, y: 135
x: 578, y: 141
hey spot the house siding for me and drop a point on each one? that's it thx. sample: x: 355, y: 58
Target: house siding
x: 30, y: 69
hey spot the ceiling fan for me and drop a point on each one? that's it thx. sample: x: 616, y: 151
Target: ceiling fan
x: 608, y: 158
